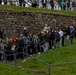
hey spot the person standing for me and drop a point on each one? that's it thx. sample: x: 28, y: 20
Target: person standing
x: 71, y: 34
x: 73, y: 5
x: 52, y: 4
x: 68, y: 35
x: 68, y: 5
x: 1, y: 49
x: 61, y: 37
x: 20, y: 2
x: 25, y: 31
x: 63, y: 5
x: 40, y: 3
x: 44, y: 2
x: 52, y: 39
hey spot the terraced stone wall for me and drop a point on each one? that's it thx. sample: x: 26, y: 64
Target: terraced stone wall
x: 13, y: 22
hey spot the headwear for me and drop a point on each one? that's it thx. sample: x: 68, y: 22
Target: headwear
x: 25, y: 28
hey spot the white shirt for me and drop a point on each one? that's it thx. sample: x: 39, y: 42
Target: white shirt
x: 61, y: 33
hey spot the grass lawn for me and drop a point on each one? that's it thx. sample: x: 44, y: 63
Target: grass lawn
x: 11, y: 70
x: 59, y: 55
x: 37, y: 10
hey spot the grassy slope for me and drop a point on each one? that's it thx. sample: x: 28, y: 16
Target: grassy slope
x: 60, y: 55
x: 10, y: 70
x: 18, y: 8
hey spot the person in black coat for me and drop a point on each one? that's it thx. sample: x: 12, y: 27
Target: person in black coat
x: 52, y: 4
x: 8, y: 51
x: 44, y: 2
x: 68, y: 35
x: 20, y: 47
x: 51, y: 39
x: 20, y: 2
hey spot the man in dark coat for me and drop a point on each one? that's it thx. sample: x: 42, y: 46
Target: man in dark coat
x: 44, y: 2
x: 52, y: 4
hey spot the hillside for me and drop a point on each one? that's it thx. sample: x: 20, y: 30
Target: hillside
x: 58, y: 56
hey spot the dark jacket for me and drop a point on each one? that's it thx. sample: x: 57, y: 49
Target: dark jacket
x: 68, y: 31
x: 43, y: 1
x: 52, y: 35
x: 51, y: 2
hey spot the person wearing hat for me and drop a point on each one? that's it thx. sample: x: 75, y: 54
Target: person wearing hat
x: 25, y: 31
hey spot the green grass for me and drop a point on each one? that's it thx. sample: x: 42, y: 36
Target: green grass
x: 59, y: 55
x: 11, y: 70
x: 37, y: 10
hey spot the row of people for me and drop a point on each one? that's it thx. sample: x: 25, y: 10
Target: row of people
x: 49, y: 4
x: 40, y: 42
x: 68, y: 5
x: 30, y: 3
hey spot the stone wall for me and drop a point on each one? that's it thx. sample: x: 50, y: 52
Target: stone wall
x: 13, y: 22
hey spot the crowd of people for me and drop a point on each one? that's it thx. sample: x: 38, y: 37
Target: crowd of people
x: 29, y: 3
x: 47, y: 4
x: 43, y: 40
x: 68, y: 5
